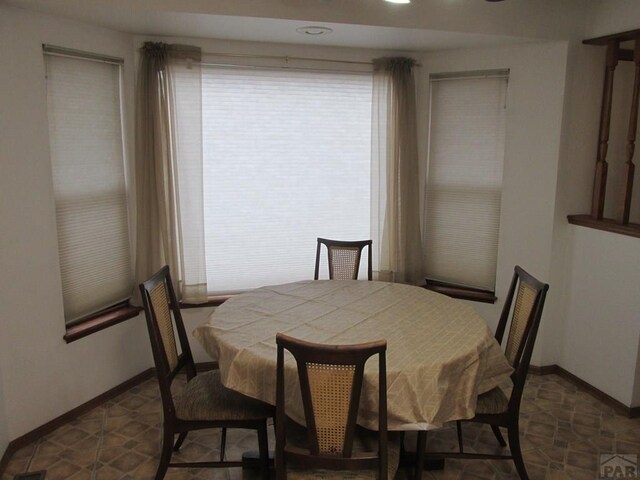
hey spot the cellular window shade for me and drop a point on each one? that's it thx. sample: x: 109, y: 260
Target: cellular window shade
x: 86, y: 148
x: 287, y: 159
x: 463, y: 194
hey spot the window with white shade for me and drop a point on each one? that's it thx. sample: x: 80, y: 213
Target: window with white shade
x: 87, y: 158
x: 287, y: 159
x: 464, y: 178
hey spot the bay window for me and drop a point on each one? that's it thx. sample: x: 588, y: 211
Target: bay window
x: 87, y: 159
x: 464, y: 182
x: 286, y: 159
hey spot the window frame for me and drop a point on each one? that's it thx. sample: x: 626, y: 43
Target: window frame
x: 123, y: 310
x: 457, y: 290
x: 217, y: 296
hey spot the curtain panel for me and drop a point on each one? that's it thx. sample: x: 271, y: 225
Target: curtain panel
x: 395, y: 192
x: 169, y: 211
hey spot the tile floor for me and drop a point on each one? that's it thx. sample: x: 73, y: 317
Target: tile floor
x: 564, y: 430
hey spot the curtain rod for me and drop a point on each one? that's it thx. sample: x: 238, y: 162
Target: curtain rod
x: 497, y: 73
x: 287, y: 58
x: 72, y: 53
x: 284, y: 67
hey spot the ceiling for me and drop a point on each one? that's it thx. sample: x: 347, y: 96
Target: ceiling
x: 422, y: 25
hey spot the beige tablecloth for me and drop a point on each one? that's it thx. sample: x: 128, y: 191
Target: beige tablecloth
x: 440, y: 352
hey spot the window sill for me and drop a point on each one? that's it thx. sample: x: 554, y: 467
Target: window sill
x: 606, y: 224
x: 106, y: 320
x: 461, y: 293
x: 100, y: 322
x: 118, y: 315
x: 214, y: 301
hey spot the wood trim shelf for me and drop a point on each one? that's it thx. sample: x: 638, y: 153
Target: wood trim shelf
x: 214, y: 301
x: 461, y: 293
x: 620, y: 37
x: 118, y: 315
x: 100, y: 322
x: 614, y: 55
x: 606, y: 224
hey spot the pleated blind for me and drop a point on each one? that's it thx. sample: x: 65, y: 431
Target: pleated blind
x: 463, y: 194
x: 287, y: 159
x: 86, y: 148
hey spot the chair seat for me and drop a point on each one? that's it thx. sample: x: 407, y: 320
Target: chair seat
x: 365, y: 441
x: 492, y: 402
x: 205, y: 398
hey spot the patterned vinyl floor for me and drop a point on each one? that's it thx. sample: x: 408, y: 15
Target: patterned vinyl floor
x: 564, y: 431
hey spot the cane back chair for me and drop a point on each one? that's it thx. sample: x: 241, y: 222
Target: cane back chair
x: 344, y: 258
x: 330, y: 378
x: 204, y: 402
x: 493, y: 407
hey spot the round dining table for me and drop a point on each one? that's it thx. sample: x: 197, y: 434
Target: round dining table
x: 440, y: 352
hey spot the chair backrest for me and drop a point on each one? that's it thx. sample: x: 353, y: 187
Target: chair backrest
x: 344, y: 258
x: 163, y: 321
x: 529, y: 294
x: 330, y: 378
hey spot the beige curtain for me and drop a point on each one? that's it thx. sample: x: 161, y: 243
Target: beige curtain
x: 395, y: 179
x: 169, y: 207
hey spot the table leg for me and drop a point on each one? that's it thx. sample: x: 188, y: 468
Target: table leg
x: 410, y: 459
x: 251, y: 459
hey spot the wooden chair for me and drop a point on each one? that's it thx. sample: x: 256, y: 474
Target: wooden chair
x: 205, y: 402
x: 344, y: 258
x: 493, y: 407
x: 330, y: 379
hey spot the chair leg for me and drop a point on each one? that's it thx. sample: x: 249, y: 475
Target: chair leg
x: 514, y: 446
x: 263, y: 448
x: 498, y: 434
x: 279, y: 465
x: 165, y: 455
x: 178, y: 444
x: 420, y: 447
x: 459, y: 429
x: 223, y: 443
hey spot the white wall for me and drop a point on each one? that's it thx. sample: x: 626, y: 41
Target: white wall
x: 636, y: 391
x: 611, y: 16
x: 192, y: 318
x: 4, y: 433
x: 602, y: 324
x: 576, y: 171
x: 534, y: 116
x: 598, y: 271
x: 592, y: 283
x: 542, y: 19
x: 44, y: 377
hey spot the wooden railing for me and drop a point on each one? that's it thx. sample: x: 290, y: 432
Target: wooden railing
x: 620, y: 224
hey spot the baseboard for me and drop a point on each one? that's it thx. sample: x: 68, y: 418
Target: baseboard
x: 619, y: 407
x: 544, y: 370
x: 33, y: 435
